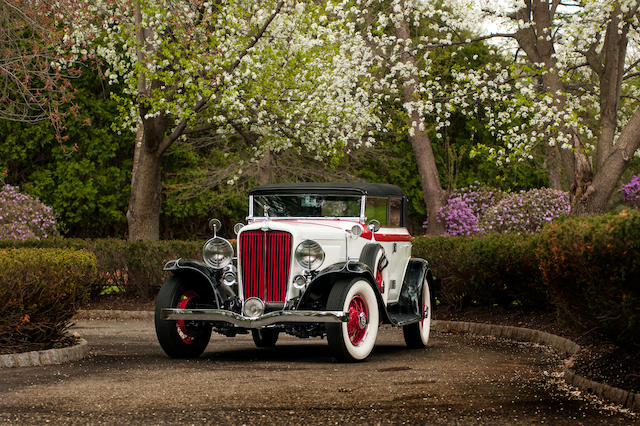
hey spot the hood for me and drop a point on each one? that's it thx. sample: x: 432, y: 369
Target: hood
x: 311, y: 228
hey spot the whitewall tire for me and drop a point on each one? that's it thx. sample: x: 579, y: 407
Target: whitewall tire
x: 353, y: 340
x: 416, y: 335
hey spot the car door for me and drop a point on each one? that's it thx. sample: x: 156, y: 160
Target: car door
x: 393, y: 237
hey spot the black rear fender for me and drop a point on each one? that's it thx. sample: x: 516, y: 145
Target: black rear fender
x: 416, y: 271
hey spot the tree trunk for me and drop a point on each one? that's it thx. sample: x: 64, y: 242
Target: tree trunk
x: 264, y: 169
x: 143, y: 215
x: 554, y: 170
x: 604, y: 182
x: 430, y: 181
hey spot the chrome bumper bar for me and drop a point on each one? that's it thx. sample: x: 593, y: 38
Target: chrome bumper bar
x: 219, y: 315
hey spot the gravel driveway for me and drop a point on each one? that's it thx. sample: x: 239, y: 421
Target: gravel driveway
x: 458, y: 380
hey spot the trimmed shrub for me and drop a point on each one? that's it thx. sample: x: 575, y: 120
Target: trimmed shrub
x: 23, y: 217
x: 592, y: 268
x: 40, y: 290
x: 487, y: 270
x: 132, y: 268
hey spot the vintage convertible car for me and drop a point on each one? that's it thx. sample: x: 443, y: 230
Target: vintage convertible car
x: 315, y: 259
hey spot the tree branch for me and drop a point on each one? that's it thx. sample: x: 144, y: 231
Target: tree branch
x: 472, y: 40
x: 257, y: 37
x: 593, y: 59
x: 180, y: 128
x: 182, y: 125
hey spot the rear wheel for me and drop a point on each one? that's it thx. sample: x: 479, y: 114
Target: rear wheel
x: 265, y: 337
x: 353, y: 340
x: 416, y: 335
x: 180, y: 339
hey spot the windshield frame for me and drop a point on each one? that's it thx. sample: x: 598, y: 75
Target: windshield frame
x: 361, y: 219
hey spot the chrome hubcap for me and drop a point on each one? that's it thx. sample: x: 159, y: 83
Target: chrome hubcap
x: 362, y: 320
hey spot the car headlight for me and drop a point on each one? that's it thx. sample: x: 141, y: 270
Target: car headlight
x: 309, y: 255
x: 217, y: 253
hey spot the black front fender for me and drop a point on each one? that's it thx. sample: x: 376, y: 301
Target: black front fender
x: 199, y: 274
x: 317, y: 293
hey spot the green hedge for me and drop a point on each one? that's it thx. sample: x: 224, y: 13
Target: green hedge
x: 587, y: 268
x: 40, y: 290
x: 592, y: 266
x: 134, y: 268
x: 498, y: 269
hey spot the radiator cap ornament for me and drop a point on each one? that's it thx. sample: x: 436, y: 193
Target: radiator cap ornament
x: 265, y: 227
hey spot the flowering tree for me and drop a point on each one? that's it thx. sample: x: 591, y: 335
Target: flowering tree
x: 573, y: 85
x: 571, y: 82
x: 409, y: 39
x: 23, y: 217
x: 276, y: 74
x: 396, y: 32
x: 32, y: 88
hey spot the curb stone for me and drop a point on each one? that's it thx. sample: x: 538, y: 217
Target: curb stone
x: 627, y: 399
x: 114, y: 314
x: 46, y: 357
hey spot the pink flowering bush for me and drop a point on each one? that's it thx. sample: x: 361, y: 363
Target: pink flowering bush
x: 23, y: 217
x: 631, y: 191
x: 479, y: 210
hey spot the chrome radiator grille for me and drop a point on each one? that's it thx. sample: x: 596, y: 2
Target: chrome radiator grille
x: 265, y: 258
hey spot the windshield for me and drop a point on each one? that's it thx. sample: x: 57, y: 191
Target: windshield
x: 308, y: 205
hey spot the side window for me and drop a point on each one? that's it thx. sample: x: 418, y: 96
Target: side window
x: 376, y: 208
x: 395, y: 212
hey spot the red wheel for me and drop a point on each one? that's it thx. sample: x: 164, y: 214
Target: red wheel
x: 358, y: 320
x: 183, y: 303
x: 353, y: 340
x: 181, y: 339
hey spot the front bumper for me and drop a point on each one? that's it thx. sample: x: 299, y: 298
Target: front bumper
x: 220, y: 315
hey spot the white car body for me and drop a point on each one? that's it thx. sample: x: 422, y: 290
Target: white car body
x: 340, y: 245
x: 310, y: 263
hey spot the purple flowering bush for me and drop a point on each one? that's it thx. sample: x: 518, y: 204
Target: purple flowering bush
x: 525, y: 212
x: 23, y: 217
x: 631, y: 191
x: 477, y: 210
x: 459, y: 217
x: 465, y: 207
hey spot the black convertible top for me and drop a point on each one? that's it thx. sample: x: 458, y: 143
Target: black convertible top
x: 336, y: 188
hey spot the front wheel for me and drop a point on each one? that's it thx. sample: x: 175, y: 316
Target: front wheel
x: 416, y: 335
x: 353, y: 340
x: 180, y: 339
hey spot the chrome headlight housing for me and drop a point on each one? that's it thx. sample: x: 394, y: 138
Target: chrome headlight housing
x: 217, y: 253
x: 309, y: 255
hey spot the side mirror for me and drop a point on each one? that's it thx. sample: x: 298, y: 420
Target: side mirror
x: 374, y: 225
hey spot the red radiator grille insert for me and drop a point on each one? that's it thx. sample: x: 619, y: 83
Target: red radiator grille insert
x: 252, y: 263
